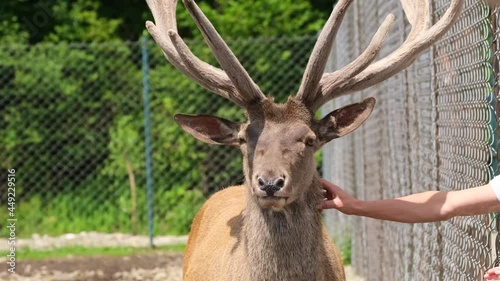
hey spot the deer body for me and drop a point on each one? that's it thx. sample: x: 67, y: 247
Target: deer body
x: 270, y: 228
x: 256, y: 243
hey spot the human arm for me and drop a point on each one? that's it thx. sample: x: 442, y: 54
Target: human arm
x: 427, y: 206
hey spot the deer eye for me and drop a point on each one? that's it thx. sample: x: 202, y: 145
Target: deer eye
x: 310, y: 141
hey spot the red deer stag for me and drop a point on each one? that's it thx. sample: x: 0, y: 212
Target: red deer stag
x: 269, y: 228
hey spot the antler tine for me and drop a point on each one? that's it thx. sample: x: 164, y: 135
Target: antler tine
x: 196, y: 67
x: 237, y: 74
x: 181, y: 57
x: 356, y: 66
x: 164, y: 14
x: 319, y: 55
x: 420, y: 38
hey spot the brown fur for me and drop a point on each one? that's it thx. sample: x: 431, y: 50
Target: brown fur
x: 222, y: 247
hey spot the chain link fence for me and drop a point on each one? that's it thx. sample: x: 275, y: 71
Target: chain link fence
x: 434, y: 128
x: 73, y: 124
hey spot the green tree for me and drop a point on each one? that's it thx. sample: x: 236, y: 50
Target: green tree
x: 98, y: 20
x: 126, y: 153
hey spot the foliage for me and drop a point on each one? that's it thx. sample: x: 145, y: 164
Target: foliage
x: 346, y: 250
x: 80, y: 22
x: 105, y: 211
x: 48, y: 92
x: 11, y: 32
x: 125, y: 145
x: 265, y: 18
x: 97, y: 20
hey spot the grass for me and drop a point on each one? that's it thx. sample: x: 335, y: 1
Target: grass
x: 346, y: 250
x: 78, y: 251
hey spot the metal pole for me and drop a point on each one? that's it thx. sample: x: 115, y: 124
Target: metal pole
x: 147, y: 137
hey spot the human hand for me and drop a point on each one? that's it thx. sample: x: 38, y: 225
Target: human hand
x: 336, y: 198
x: 493, y: 274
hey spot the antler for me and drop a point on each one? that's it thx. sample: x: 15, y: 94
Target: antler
x: 318, y: 88
x: 233, y: 84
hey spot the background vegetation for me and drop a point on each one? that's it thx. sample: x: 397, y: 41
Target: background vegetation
x: 71, y: 114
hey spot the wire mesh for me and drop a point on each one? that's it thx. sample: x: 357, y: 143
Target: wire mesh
x: 72, y: 124
x: 434, y: 127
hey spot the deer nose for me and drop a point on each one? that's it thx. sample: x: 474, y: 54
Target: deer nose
x: 271, y: 185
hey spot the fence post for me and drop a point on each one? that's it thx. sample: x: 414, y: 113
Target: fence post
x: 147, y: 136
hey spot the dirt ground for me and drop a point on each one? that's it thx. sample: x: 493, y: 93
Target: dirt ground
x: 165, y: 267
x: 153, y: 267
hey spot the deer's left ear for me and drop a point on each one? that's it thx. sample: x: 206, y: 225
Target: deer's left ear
x: 209, y: 129
x: 344, y: 120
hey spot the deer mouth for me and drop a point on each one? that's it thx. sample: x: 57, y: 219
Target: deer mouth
x: 273, y: 197
x: 274, y: 202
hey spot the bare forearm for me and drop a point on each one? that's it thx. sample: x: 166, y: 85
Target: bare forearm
x: 422, y: 207
x: 427, y: 206
x: 431, y: 206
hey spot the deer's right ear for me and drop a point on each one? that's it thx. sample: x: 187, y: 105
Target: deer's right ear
x: 209, y: 129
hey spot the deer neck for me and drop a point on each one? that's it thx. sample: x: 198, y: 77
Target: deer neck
x: 285, y: 245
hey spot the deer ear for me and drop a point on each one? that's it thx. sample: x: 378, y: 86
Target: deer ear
x: 209, y: 129
x: 344, y: 120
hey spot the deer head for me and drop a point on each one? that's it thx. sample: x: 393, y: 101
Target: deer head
x: 278, y: 140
